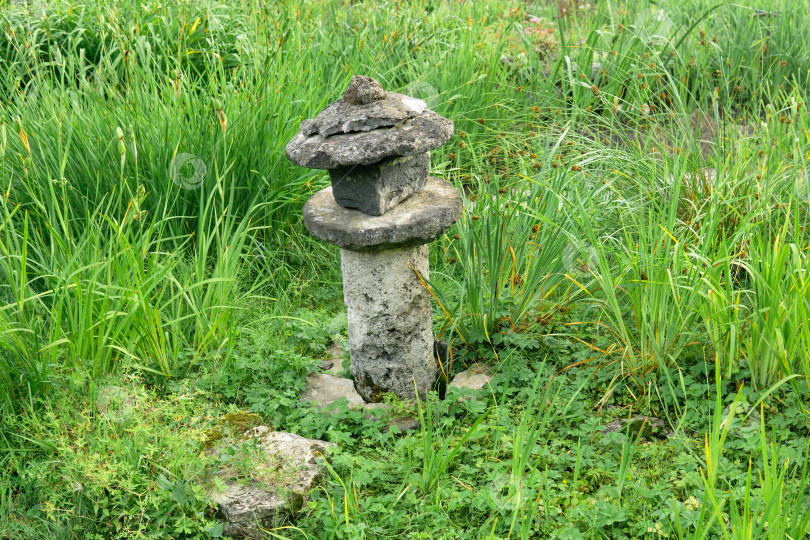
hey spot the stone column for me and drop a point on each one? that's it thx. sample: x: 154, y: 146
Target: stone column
x: 390, y: 316
x: 390, y: 321
x: 382, y: 209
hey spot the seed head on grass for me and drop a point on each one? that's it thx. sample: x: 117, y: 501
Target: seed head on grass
x: 134, y: 146
x: 140, y: 195
x: 23, y: 137
x: 223, y: 120
x: 122, y: 149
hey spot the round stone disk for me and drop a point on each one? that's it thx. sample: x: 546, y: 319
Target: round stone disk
x: 419, y: 219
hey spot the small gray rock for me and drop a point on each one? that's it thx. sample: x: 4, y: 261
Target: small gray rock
x: 375, y: 189
x: 335, y: 361
x: 326, y: 365
x: 420, y: 219
x: 363, y: 90
x: 322, y: 390
x: 264, y: 487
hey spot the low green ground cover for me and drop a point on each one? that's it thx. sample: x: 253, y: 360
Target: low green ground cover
x: 634, y: 243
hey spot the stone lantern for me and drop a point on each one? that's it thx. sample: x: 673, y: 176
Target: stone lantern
x: 382, y: 210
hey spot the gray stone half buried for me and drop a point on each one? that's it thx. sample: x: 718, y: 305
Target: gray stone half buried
x: 382, y: 210
x: 265, y: 480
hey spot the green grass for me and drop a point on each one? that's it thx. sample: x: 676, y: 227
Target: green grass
x: 634, y: 241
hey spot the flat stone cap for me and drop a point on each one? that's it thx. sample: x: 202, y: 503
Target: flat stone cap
x: 367, y: 125
x: 420, y: 219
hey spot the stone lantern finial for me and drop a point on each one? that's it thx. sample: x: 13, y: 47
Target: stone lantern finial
x: 363, y: 90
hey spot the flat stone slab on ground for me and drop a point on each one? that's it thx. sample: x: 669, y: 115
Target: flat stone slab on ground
x: 268, y: 486
x: 419, y: 219
x: 342, y: 387
x: 323, y: 389
x: 475, y: 377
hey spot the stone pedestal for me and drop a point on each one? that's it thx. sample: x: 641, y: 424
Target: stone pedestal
x: 420, y: 219
x: 390, y: 317
x: 390, y: 321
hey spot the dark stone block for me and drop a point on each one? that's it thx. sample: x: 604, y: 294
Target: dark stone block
x: 375, y: 189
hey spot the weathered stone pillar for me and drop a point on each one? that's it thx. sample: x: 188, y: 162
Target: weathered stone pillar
x: 382, y: 210
x: 391, y: 336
